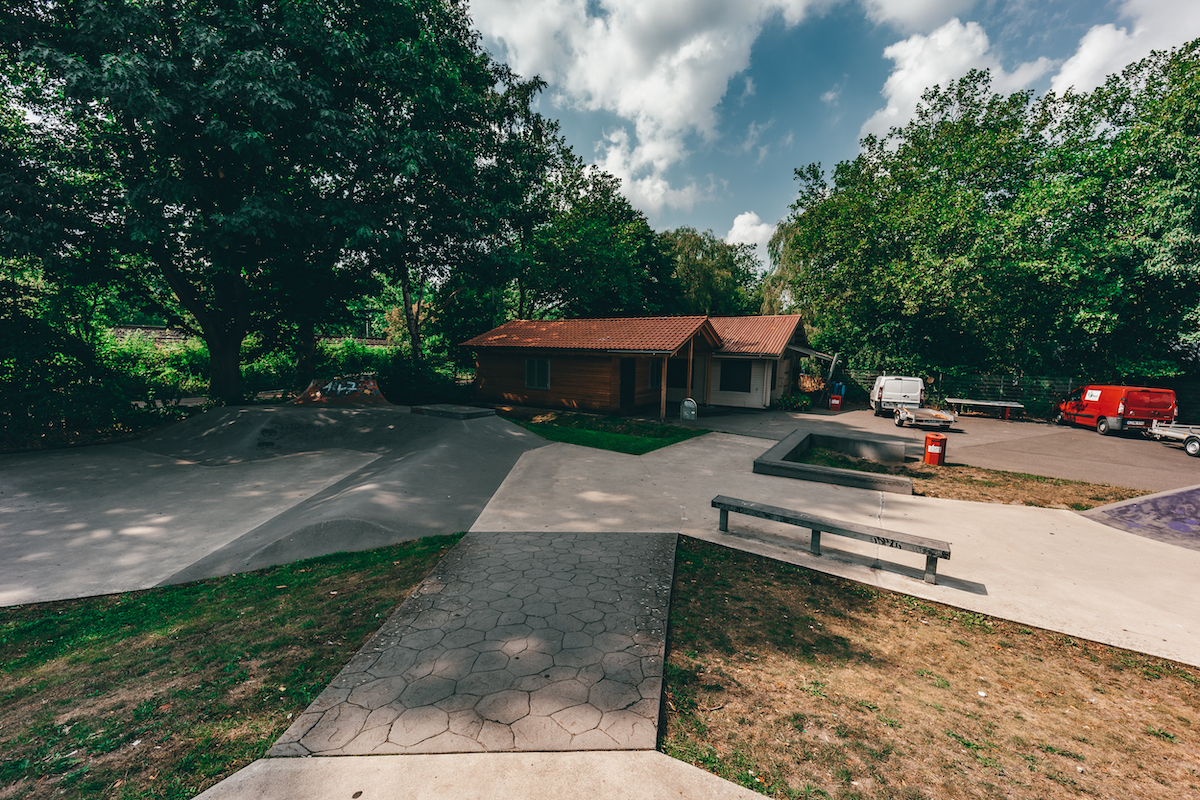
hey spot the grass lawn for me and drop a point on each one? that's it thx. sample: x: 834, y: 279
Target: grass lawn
x: 961, y: 482
x: 623, y: 435
x: 162, y: 693
x: 800, y: 684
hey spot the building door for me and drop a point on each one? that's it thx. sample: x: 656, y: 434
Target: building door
x: 628, y: 383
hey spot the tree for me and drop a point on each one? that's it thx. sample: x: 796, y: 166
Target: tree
x: 253, y: 141
x: 1008, y: 233
x: 597, y: 256
x: 715, y: 277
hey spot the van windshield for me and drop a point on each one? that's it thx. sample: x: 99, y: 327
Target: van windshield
x: 1155, y: 400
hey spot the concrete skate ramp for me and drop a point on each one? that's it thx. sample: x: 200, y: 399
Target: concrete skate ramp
x: 241, y: 488
x: 346, y: 390
x: 1172, y: 517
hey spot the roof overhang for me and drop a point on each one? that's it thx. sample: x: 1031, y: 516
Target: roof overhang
x: 808, y: 351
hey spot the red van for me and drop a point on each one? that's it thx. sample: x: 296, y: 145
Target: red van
x: 1117, y: 408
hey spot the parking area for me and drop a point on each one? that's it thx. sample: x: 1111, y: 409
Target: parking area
x: 1038, y: 448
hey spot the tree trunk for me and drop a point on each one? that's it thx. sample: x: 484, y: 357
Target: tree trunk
x: 224, y: 366
x: 411, y: 318
x: 306, y: 354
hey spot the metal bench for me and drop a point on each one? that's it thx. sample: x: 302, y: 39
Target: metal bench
x: 932, y: 549
x: 1007, y: 405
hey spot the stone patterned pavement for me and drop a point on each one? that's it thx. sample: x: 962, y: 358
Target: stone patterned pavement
x: 516, y: 642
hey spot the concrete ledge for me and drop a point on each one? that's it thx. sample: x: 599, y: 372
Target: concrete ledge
x: 646, y: 775
x: 451, y: 411
x: 781, y: 460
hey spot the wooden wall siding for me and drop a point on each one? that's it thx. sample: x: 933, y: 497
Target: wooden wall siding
x: 583, y: 382
x: 752, y: 399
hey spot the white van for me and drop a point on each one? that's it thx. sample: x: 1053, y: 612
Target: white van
x: 891, y: 391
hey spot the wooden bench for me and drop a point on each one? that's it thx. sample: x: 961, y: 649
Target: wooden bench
x: 932, y: 549
x: 1007, y: 405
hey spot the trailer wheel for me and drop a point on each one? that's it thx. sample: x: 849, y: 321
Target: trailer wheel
x: 899, y: 420
x: 1102, y: 426
x: 1191, y: 446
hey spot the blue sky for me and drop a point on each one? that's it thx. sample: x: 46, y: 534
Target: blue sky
x: 704, y: 108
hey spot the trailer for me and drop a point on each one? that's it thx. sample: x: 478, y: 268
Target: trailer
x: 922, y: 417
x: 1188, y: 434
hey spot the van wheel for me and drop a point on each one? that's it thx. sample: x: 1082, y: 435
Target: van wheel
x: 1191, y: 446
x: 878, y: 409
x: 1102, y: 426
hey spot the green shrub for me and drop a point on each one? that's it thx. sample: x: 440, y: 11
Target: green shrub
x: 794, y: 401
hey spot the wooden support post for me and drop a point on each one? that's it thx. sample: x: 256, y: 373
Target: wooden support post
x: 662, y: 405
x: 691, y: 356
x: 708, y: 380
x: 814, y: 543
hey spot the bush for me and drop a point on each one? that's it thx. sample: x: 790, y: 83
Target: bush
x: 61, y: 388
x: 794, y: 401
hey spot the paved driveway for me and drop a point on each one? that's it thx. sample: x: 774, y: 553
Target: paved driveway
x: 1039, y: 448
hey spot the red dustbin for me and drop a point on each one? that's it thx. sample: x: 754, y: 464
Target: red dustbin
x: 935, y: 449
x: 835, y: 402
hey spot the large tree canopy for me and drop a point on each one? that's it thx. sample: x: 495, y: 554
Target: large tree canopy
x: 714, y: 277
x: 269, y: 155
x: 1009, y: 233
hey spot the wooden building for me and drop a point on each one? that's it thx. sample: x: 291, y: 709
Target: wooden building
x: 628, y: 363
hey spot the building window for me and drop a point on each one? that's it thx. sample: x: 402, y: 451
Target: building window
x: 677, y: 374
x: 537, y: 373
x: 655, y: 374
x: 735, y: 376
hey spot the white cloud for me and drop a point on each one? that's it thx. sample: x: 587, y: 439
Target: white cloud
x: 749, y: 229
x: 944, y: 55
x: 1105, y: 49
x: 664, y: 66
x: 915, y: 15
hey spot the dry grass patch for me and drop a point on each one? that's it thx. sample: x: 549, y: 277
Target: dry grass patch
x: 800, y: 684
x: 962, y: 482
x: 162, y: 693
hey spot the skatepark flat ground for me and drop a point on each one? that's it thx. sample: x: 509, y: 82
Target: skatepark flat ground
x: 236, y: 489
x: 1043, y: 567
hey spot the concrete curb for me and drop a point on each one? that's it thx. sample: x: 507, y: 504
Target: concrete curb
x: 779, y: 461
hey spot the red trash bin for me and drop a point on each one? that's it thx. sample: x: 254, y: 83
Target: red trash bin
x: 835, y: 402
x: 935, y: 449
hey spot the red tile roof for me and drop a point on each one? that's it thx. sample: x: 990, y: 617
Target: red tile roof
x: 765, y: 336
x: 759, y: 336
x: 637, y: 334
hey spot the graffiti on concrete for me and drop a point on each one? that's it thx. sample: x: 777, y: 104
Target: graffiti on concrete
x: 1172, y: 518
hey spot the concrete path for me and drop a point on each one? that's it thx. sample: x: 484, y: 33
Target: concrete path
x: 1047, y: 568
x: 645, y: 775
x: 241, y: 488
x: 517, y: 641
x: 1036, y: 447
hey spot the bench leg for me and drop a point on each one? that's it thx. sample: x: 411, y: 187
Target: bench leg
x: 931, y: 569
x: 724, y: 524
x: 814, y: 543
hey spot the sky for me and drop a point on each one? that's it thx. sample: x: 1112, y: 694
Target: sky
x: 705, y: 108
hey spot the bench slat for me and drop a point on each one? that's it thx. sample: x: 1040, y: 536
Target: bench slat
x: 961, y: 401
x: 903, y: 541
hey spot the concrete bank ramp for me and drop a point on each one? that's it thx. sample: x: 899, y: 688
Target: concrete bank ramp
x: 235, y: 489
x: 1172, y: 517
